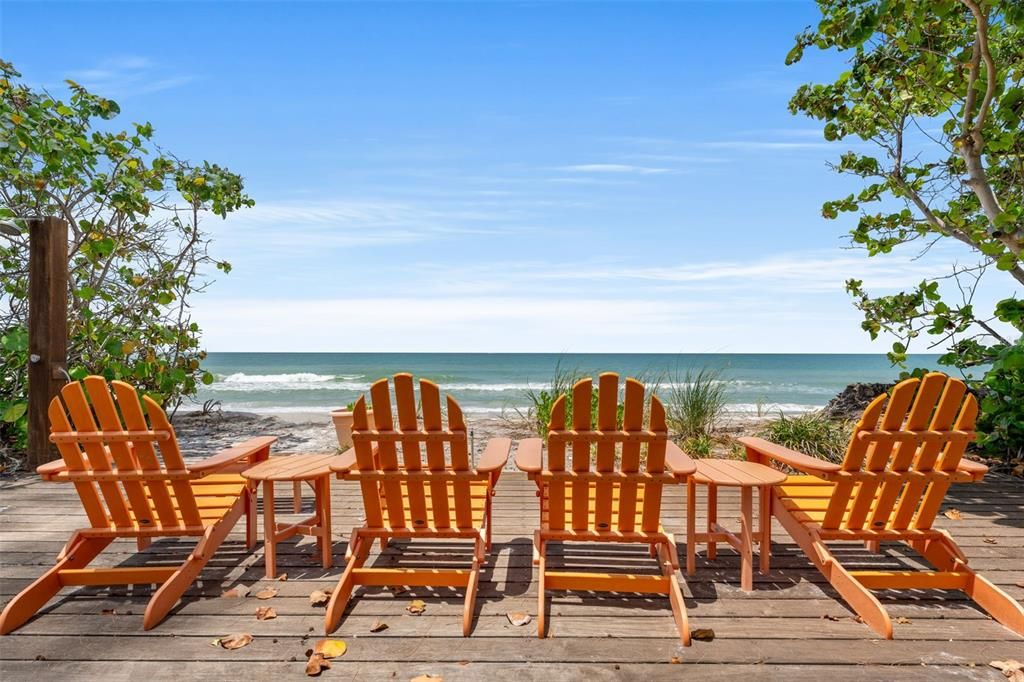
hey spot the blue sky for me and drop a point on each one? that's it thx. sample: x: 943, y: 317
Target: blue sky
x: 501, y: 176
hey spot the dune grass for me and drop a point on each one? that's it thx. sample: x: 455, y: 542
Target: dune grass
x: 811, y: 433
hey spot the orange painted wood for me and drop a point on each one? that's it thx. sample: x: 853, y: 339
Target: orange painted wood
x: 145, y: 453
x: 447, y: 499
x: 889, y: 488
x: 747, y: 476
x: 604, y: 496
x: 582, y: 394
x: 144, y: 500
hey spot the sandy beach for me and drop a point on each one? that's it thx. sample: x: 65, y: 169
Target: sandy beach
x: 200, y: 435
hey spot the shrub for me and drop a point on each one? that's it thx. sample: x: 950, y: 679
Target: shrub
x: 137, y: 248
x: 811, y: 434
x: 1001, y: 425
x: 696, y: 402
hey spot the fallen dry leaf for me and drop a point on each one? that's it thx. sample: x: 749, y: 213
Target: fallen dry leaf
x: 703, y: 634
x: 856, y: 619
x: 319, y: 598
x: 416, y: 607
x: 378, y: 626
x: 903, y: 620
x: 109, y: 612
x: 518, y: 618
x: 675, y: 659
x: 830, y: 617
x: 990, y: 541
x: 952, y: 514
x: 1012, y: 670
x: 236, y: 592
x: 266, y: 613
x: 266, y: 593
x: 316, y: 665
x: 283, y: 577
x: 235, y: 641
x: 330, y: 648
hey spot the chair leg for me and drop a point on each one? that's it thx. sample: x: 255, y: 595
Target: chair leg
x: 471, y: 587
x: 250, y: 517
x: 34, y: 597
x: 856, y: 595
x: 360, y: 551
x: 141, y: 543
x: 946, y: 555
x: 670, y: 568
x: 541, y: 598
x: 170, y: 592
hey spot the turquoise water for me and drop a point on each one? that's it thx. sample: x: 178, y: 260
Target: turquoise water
x: 486, y: 382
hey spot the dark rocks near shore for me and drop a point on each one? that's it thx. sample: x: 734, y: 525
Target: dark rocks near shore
x: 852, y: 400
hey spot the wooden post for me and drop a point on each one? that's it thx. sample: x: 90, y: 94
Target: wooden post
x: 47, y: 329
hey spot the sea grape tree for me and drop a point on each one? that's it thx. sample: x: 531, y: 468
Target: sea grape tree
x: 934, y: 89
x: 137, y: 250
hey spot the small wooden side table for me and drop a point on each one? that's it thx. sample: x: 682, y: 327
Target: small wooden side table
x: 314, y: 470
x: 738, y: 474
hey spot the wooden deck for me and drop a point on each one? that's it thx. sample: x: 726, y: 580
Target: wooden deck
x: 790, y: 627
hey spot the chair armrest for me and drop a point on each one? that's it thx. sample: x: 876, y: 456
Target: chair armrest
x: 680, y: 463
x: 528, y: 455
x: 344, y: 462
x: 797, y: 460
x: 976, y: 470
x: 233, y: 454
x: 495, y: 455
x: 50, y: 469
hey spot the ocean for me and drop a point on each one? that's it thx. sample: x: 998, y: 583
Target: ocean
x: 497, y: 382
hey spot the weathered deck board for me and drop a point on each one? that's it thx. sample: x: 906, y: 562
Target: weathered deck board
x: 790, y: 627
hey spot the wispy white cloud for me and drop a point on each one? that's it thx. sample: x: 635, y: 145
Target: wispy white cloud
x: 128, y: 75
x: 614, y: 168
x: 318, y: 225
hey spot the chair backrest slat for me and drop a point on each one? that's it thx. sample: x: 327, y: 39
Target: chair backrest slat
x: 188, y: 510
x: 582, y: 395
x: 879, y: 453
x: 405, y: 404
x: 594, y: 495
x: 918, y: 419
x: 145, y: 453
x: 430, y: 398
x: 387, y: 455
x: 75, y: 461
x: 95, y: 451
x: 904, y: 463
x: 607, y: 420
x: 106, y: 414
x: 395, y: 485
x: 366, y: 460
x: 632, y: 420
x: 459, y: 447
x: 855, y: 453
x: 950, y: 458
x: 107, y: 421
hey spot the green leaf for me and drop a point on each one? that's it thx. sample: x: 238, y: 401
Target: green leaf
x: 14, y: 412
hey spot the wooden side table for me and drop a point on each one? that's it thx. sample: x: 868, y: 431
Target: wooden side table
x: 312, y: 469
x: 738, y: 474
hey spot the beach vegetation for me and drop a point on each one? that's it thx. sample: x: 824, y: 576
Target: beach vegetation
x: 933, y: 93
x: 695, y: 403
x: 138, y: 252
x: 811, y: 433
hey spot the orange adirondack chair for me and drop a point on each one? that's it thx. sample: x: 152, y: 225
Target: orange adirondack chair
x: 905, y: 452
x: 127, y: 493
x: 446, y: 499
x: 617, y: 501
